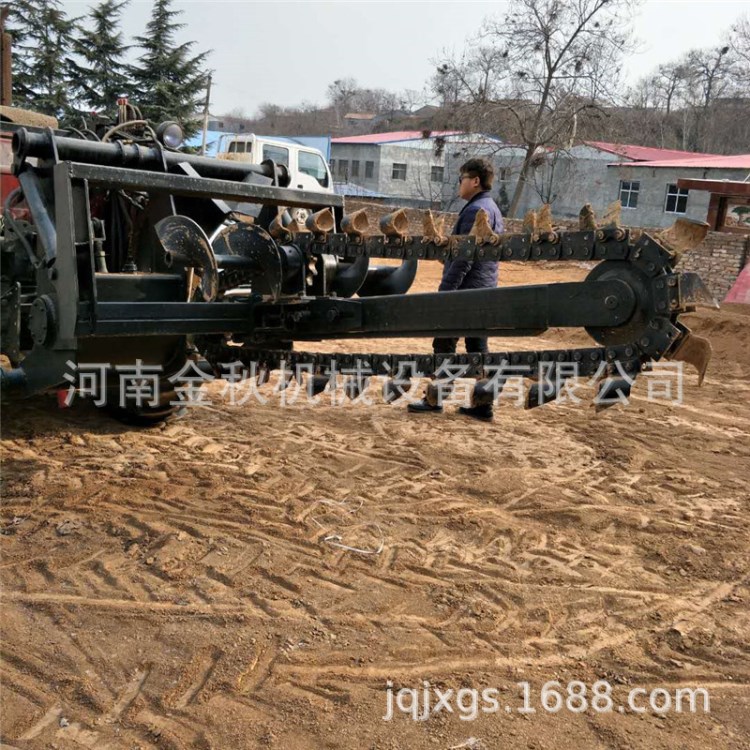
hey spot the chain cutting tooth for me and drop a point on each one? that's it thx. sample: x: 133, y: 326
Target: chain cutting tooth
x: 685, y: 234
x: 540, y: 394
x: 481, y: 229
x: 356, y: 224
x: 611, y: 392
x: 321, y: 222
x: 263, y: 375
x: 696, y: 351
x: 355, y: 386
x: 393, y: 389
x: 434, y: 229
x: 395, y: 225
x: 486, y: 390
x: 544, y: 219
x: 587, y: 219
x: 611, y: 218
x: 529, y: 223
x: 285, y: 380
x: 316, y: 384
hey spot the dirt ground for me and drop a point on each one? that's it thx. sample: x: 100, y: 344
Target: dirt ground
x: 186, y: 587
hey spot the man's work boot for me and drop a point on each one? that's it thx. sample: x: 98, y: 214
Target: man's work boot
x: 419, y: 407
x: 428, y: 403
x: 484, y: 413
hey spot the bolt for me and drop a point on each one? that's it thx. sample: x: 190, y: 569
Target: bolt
x: 650, y: 266
x: 645, y: 341
x: 662, y: 305
x: 332, y: 314
x: 611, y: 301
x: 660, y: 285
x: 672, y: 281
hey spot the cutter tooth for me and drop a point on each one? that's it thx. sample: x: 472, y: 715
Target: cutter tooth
x: 395, y: 224
x: 321, y: 222
x: 355, y: 386
x: 529, y: 222
x: 393, y: 389
x: 285, y: 380
x: 481, y: 229
x: 485, y: 391
x: 434, y: 230
x: 685, y: 234
x: 356, y: 224
x: 612, y: 391
x: 316, y: 384
x: 587, y: 218
x: 541, y: 393
x: 263, y: 375
x: 611, y: 218
x: 276, y: 228
x: 696, y: 351
x: 544, y: 219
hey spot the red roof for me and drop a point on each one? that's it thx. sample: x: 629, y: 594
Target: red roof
x: 699, y: 161
x: 643, y: 153
x: 398, y: 135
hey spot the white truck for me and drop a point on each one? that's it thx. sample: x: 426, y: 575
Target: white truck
x: 307, y: 167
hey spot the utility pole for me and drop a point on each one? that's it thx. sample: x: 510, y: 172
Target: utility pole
x: 205, y: 116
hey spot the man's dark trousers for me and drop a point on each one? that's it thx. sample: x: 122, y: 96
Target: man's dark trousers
x: 462, y: 274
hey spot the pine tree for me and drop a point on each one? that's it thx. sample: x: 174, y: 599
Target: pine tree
x: 98, y: 72
x: 169, y: 80
x: 41, y: 35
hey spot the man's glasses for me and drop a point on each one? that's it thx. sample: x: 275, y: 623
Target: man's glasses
x: 464, y: 177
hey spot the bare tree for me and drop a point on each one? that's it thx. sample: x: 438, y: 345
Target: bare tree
x: 545, y: 63
x: 740, y: 41
x: 340, y: 95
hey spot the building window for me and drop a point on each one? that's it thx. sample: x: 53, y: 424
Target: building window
x: 503, y: 174
x: 332, y: 165
x: 399, y: 171
x: 355, y: 168
x: 676, y: 200
x: 344, y: 168
x: 629, y: 193
x: 369, y: 169
x: 436, y: 174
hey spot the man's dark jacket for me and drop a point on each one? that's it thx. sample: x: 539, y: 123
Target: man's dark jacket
x: 464, y: 274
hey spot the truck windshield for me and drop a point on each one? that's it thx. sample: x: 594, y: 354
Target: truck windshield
x: 313, y: 165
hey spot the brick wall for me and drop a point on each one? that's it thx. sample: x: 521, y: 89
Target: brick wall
x: 718, y: 260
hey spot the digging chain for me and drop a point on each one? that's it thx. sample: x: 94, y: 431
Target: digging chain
x: 603, y: 244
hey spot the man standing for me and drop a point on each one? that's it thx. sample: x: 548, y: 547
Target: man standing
x: 474, y: 185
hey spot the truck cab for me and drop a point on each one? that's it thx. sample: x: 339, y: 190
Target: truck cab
x: 307, y: 167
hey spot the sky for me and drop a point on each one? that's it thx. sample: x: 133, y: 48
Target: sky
x: 289, y: 52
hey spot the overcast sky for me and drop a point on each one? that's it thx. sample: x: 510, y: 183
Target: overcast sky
x: 288, y: 52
